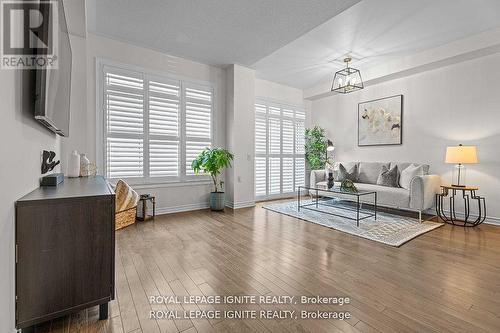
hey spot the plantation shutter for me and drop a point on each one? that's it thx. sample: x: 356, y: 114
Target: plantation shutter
x: 300, y: 172
x: 260, y: 175
x: 300, y: 165
x: 164, y: 123
x: 199, y: 105
x: 153, y: 126
x: 279, y: 149
x: 288, y: 173
x: 274, y: 175
x: 123, y: 108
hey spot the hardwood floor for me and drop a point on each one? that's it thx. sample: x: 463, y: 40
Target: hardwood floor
x: 447, y: 280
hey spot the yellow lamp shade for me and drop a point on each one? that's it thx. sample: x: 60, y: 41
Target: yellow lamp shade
x: 461, y: 155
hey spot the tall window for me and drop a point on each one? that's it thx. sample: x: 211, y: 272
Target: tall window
x: 279, y: 149
x: 153, y: 126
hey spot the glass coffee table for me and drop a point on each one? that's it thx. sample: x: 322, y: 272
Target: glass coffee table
x: 334, y: 197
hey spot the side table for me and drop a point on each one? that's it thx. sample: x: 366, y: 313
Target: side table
x: 468, y: 194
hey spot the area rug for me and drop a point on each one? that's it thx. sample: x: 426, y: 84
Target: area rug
x: 388, y: 229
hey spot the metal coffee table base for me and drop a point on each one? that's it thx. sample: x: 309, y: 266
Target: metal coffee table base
x: 315, y: 204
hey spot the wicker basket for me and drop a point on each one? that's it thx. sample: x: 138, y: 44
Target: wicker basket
x: 125, y: 218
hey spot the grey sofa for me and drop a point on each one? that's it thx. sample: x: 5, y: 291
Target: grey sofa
x: 420, y: 196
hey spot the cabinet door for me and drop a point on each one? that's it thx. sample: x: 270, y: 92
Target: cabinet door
x: 64, y: 251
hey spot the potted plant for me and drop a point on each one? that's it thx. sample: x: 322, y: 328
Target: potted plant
x: 315, y: 148
x: 212, y: 161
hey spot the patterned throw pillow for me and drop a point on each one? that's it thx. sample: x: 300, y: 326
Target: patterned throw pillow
x: 388, y: 177
x: 343, y: 174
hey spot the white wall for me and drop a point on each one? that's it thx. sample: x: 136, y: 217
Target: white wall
x: 447, y: 106
x: 23, y: 140
x: 283, y: 94
x: 240, y: 100
x: 172, y: 197
x: 77, y: 139
x: 278, y: 92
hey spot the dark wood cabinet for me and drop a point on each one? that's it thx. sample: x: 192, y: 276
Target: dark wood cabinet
x: 65, y: 246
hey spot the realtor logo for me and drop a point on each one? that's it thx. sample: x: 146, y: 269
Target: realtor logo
x: 29, y: 34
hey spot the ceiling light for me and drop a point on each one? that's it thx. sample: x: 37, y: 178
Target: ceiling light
x: 347, y: 80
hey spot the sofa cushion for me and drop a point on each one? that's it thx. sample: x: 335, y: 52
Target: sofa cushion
x: 403, y: 165
x: 369, y: 171
x: 409, y: 173
x: 386, y: 196
x: 344, y: 174
x: 388, y: 177
x: 321, y: 185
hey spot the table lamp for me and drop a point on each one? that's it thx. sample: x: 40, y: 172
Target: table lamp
x: 460, y: 155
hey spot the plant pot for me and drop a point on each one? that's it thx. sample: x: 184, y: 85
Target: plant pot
x: 217, y: 200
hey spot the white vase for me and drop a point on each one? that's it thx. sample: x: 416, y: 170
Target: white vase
x: 84, y: 165
x: 74, y: 164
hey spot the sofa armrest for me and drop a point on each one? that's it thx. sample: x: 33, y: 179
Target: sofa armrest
x: 423, y: 191
x: 316, y: 177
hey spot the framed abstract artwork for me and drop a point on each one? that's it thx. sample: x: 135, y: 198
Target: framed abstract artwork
x: 380, y: 121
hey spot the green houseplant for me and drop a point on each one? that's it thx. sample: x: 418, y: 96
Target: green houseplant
x: 212, y: 161
x: 315, y: 148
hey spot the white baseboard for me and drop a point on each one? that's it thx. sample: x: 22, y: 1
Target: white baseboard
x: 243, y: 204
x: 182, y: 208
x: 492, y: 220
x: 204, y: 205
x: 200, y: 205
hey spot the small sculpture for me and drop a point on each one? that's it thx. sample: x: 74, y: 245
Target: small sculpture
x: 348, y: 186
x: 48, y: 163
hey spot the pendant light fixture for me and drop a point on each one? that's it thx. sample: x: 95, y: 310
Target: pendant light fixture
x: 347, y: 80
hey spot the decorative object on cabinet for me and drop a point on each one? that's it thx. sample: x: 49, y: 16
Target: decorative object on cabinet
x: 74, y: 165
x: 84, y: 165
x: 48, y: 162
x: 53, y: 179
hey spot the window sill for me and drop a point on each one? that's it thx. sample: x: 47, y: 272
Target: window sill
x: 147, y: 185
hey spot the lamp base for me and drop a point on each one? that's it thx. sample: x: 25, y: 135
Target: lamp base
x: 458, y: 177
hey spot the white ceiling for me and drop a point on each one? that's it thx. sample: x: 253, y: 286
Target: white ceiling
x: 299, y: 43
x: 374, y: 32
x: 216, y: 32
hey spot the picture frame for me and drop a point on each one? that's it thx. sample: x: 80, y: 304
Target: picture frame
x: 380, y: 122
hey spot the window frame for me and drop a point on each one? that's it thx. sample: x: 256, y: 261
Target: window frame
x: 269, y: 103
x: 163, y: 76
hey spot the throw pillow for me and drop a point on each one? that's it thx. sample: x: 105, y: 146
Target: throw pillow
x: 388, y: 177
x: 343, y: 174
x: 125, y: 197
x: 408, y: 174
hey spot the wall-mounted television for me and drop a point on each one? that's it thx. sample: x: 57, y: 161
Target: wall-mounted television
x: 53, y: 86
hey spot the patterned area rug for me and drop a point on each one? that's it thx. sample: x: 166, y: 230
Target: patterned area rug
x: 388, y: 229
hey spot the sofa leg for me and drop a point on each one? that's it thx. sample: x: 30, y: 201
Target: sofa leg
x: 420, y: 216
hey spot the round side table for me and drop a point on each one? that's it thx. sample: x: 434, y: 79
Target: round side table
x: 468, y: 194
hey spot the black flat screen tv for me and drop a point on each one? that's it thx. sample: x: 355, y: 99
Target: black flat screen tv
x: 53, y: 86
